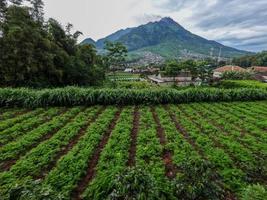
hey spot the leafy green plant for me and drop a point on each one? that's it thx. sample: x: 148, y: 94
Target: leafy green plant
x: 254, y: 192
x: 33, y: 190
x: 199, y: 181
x: 134, y: 184
x: 232, y: 75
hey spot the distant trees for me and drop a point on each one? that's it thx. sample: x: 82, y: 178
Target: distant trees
x: 173, y: 69
x: 197, y: 69
x: 259, y: 59
x: 40, y: 53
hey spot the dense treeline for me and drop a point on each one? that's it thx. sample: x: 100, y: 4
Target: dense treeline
x: 39, y: 53
x: 259, y: 59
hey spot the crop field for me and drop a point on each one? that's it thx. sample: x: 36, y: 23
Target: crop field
x: 79, y: 151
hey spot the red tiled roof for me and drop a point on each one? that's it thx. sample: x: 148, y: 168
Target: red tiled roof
x: 259, y: 69
x: 230, y: 68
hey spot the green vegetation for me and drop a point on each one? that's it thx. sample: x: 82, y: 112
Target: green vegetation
x: 186, y: 151
x: 259, y: 59
x: 232, y: 75
x: 39, y: 53
x: 242, y: 84
x: 72, y: 96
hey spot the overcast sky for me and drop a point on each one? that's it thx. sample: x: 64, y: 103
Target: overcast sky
x: 237, y: 23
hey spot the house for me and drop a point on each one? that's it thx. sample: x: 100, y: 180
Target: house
x: 183, y: 79
x: 128, y: 70
x: 260, y: 73
x: 217, y: 73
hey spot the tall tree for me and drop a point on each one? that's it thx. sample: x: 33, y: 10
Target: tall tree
x: 37, y: 10
x: 3, y: 8
x: 116, y: 54
x: 173, y: 69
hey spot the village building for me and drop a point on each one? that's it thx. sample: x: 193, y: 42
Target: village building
x: 217, y: 73
x: 183, y: 79
x: 260, y: 73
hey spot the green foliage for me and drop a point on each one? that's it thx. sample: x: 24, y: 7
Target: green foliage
x: 242, y: 84
x: 134, y: 183
x: 33, y: 190
x: 254, y: 192
x: 199, y: 181
x: 40, y: 53
x: 116, y: 54
x: 173, y: 68
x: 259, y: 59
x: 73, y: 96
x: 232, y: 75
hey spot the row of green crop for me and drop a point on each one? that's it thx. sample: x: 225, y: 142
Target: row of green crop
x: 20, y: 146
x: 241, y: 155
x: 239, y: 118
x: 232, y: 176
x: 220, y: 117
x: 38, y: 159
x: 72, y: 96
x: 113, y: 159
x: 72, y: 167
x: 9, y: 134
x: 20, y: 118
x: 10, y: 113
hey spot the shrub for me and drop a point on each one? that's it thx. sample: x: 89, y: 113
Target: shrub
x: 33, y: 190
x: 232, y: 75
x: 254, y: 192
x: 132, y: 184
x: 199, y: 181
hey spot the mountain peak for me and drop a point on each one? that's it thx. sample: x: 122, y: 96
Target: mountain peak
x: 168, y: 20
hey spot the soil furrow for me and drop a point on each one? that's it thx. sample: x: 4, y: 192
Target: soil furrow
x: 170, y: 168
x: 91, y: 171
x: 134, y: 132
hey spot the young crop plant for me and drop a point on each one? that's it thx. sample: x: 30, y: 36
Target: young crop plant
x: 20, y: 118
x: 73, y: 166
x: 232, y: 176
x: 242, y: 156
x: 17, y: 148
x: 113, y: 158
x: 44, y: 153
x: 26, y: 126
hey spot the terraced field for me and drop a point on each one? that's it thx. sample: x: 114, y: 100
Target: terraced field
x: 75, y: 150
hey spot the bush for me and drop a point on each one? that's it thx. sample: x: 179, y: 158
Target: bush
x: 74, y: 96
x: 198, y: 182
x: 33, y: 190
x: 254, y: 192
x: 236, y: 75
x: 132, y: 184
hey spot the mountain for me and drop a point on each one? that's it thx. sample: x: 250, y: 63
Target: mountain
x: 166, y: 39
x: 89, y: 41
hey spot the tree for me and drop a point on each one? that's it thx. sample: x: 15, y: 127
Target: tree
x: 37, y: 10
x: 173, y: 69
x: 192, y: 67
x: 3, y: 8
x: 116, y: 54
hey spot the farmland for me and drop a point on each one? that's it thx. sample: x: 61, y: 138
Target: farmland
x: 79, y: 151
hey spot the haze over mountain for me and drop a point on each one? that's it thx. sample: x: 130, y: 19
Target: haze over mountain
x: 166, y: 39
